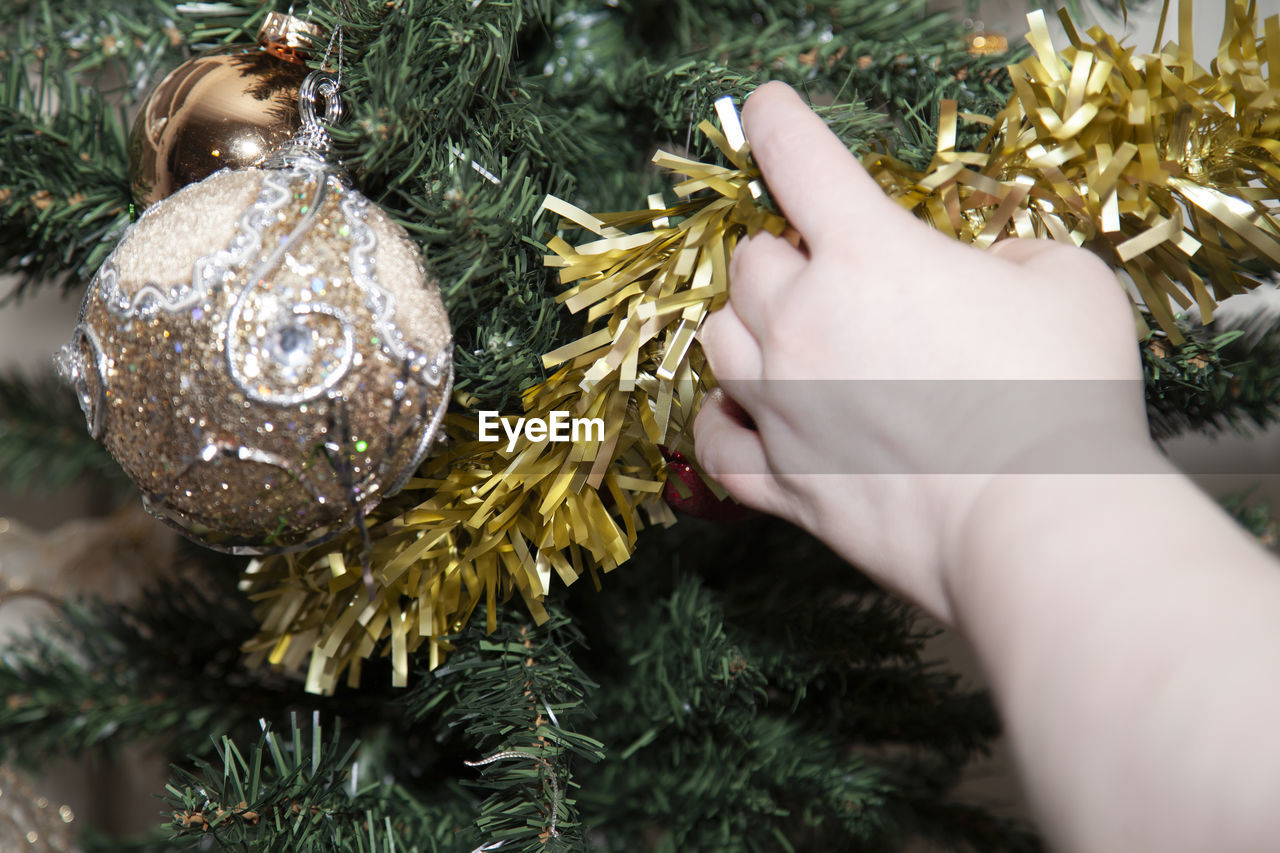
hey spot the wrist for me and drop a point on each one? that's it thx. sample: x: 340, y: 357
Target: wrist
x: 1057, y: 488
x: 1106, y: 610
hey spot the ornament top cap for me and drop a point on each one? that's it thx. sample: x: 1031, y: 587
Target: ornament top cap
x: 318, y: 101
x: 288, y: 36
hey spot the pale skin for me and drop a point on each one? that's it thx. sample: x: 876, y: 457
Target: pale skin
x: 1129, y: 629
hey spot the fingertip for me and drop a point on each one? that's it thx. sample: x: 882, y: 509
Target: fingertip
x: 764, y: 99
x: 708, y: 427
x: 776, y: 108
x: 724, y: 444
x: 733, y: 455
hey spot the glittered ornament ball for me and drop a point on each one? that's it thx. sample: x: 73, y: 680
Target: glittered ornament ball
x: 686, y: 491
x: 228, y: 108
x: 265, y: 356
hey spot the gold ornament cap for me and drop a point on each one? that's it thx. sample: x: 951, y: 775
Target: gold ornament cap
x: 983, y: 43
x: 288, y: 37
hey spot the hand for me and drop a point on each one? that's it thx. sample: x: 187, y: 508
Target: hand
x: 886, y: 471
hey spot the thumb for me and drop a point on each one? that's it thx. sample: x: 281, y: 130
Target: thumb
x: 821, y: 187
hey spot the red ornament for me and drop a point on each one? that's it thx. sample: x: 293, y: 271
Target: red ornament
x: 697, y: 498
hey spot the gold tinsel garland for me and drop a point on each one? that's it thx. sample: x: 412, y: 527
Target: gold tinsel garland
x: 493, y: 519
x: 1167, y: 171
x: 1161, y: 167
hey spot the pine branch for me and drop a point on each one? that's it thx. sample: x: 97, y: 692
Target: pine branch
x: 927, y: 812
x: 93, y: 840
x: 903, y: 65
x: 72, y: 73
x: 43, y: 442
x: 1255, y: 517
x: 687, y: 27
x: 722, y: 673
x: 834, y: 649
x: 303, y: 795
x: 910, y: 86
x: 124, y: 40
x: 517, y: 695
x: 168, y: 671
x: 1219, y: 379
x: 701, y: 763
x: 64, y: 194
x: 819, y: 659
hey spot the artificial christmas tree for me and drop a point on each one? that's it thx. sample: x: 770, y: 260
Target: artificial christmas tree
x: 729, y: 686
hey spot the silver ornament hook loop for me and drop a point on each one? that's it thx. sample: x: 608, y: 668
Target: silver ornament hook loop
x: 319, y: 106
x: 319, y: 88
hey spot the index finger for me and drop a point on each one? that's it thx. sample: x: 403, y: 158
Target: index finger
x: 820, y: 186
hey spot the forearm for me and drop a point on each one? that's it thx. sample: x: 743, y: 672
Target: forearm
x: 1121, y: 620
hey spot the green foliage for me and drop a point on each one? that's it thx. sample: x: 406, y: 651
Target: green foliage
x: 102, y: 677
x: 700, y: 762
x: 790, y: 709
x: 95, y: 840
x: 911, y: 88
x: 302, y: 795
x: 43, y: 442
x: 517, y: 695
x: 73, y: 70
x: 64, y: 194
x: 1257, y: 517
x: 1220, y: 378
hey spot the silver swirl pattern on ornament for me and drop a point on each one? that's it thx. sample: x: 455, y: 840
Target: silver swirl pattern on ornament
x: 269, y: 360
x: 426, y: 368
x: 209, y: 270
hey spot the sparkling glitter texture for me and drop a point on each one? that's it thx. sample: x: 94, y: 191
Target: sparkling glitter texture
x: 265, y: 356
